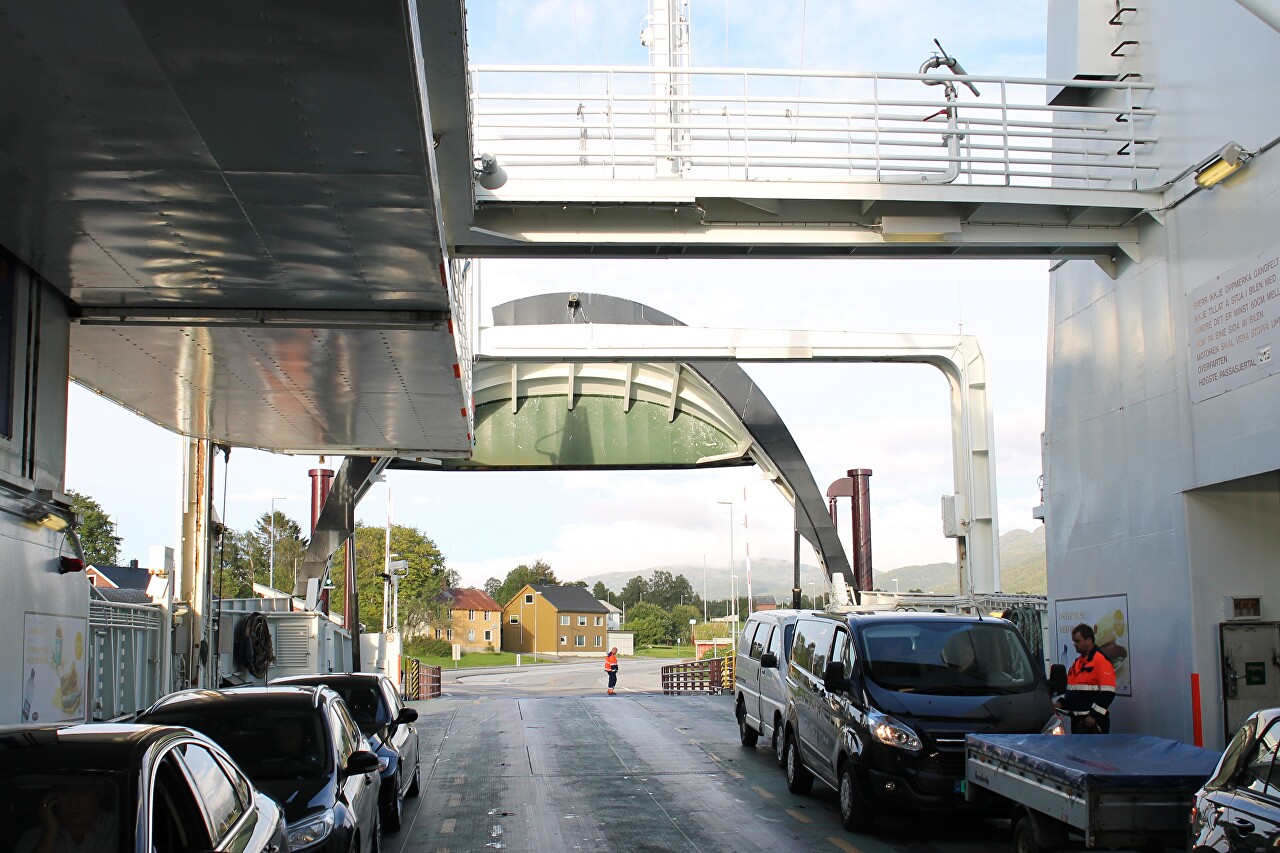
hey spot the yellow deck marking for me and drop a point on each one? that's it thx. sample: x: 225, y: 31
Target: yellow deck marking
x: 735, y: 774
x: 844, y: 845
x: 448, y: 826
x: 455, y: 801
x: 762, y: 792
x: 800, y: 816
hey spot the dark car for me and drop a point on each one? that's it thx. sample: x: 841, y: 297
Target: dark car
x: 382, y: 716
x: 130, y: 787
x: 879, y: 705
x: 1239, y: 807
x: 299, y: 745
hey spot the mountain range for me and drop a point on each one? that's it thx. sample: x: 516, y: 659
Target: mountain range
x: 1022, y: 570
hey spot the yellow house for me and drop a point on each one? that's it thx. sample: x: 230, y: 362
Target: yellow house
x: 476, y: 621
x: 555, y: 620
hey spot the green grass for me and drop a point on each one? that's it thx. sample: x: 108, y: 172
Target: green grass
x: 682, y: 651
x: 479, y: 659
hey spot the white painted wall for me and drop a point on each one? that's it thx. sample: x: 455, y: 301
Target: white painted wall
x: 1125, y: 446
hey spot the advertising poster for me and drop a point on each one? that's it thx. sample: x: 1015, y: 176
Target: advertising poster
x: 53, y: 668
x: 1109, y: 616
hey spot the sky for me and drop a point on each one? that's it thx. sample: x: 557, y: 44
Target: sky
x: 893, y: 419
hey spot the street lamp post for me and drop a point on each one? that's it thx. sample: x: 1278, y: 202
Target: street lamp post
x: 733, y: 592
x: 271, y: 562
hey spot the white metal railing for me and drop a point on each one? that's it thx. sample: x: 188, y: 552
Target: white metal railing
x: 602, y: 122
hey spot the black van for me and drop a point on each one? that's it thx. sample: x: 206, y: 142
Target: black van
x: 879, y: 704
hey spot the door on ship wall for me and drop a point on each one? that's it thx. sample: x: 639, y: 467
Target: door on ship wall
x: 1250, y: 670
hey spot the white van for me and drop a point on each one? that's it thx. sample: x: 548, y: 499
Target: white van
x: 760, y: 675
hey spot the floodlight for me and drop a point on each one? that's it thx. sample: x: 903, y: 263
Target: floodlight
x: 1222, y: 163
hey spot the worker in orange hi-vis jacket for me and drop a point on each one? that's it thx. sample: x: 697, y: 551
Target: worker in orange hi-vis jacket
x: 611, y: 667
x: 1091, y: 686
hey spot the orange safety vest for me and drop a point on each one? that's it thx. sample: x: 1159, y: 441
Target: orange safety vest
x: 1091, y: 684
x: 610, y: 661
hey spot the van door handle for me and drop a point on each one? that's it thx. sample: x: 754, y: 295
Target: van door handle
x: 1243, y: 825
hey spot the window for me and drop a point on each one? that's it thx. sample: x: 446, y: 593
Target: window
x: 448, y: 634
x: 599, y: 641
x: 564, y: 619
x: 528, y: 598
x: 582, y: 621
x: 487, y: 614
x: 515, y: 620
x: 1260, y: 775
x: 758, y: 642
x: 217, y: 791
x: 744, y: 642
x: 564, y: 641
x: 488, y: 635
x: 842, y: 653
x: 471, y: 616
x: 775, y: 646
x: 471, y: 635
x: 438, y: 633
x: 580, y: 641
x: 176, y: 821
x: 599, y: 621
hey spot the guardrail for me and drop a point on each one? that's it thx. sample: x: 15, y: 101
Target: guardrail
x: 602, y: 122
x: 421, y: 681
x: 713, y: 675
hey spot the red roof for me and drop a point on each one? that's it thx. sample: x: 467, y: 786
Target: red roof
x: 471, y: 599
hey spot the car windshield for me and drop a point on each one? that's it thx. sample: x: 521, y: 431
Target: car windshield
x: 268, y: 744
x: 942, y: 657
x: 83, y: 805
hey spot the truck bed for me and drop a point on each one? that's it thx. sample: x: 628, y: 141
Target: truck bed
x: 1114, y: 789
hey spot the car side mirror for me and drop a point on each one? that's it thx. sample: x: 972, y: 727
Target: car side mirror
x: 833, y: 678
x: 768, y: 660
x: 1058, y: 678
x: 407, y: 715
x: 362, y: 761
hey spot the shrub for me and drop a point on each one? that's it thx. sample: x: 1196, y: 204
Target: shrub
x: 430, y: 648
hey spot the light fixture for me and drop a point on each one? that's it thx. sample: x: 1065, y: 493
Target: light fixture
x: 54, y: 522
x: 1222, y: 163
x: 488, y: 173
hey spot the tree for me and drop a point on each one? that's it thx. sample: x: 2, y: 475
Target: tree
x: 582, y: 584
x: 427, y: 576
x: 522, y: 574
x: 96, y: 530
x: 633, y: 593
x: 681, y: 614
x: 651, y: 624
x: 491, y: 586
x: 600, y: 592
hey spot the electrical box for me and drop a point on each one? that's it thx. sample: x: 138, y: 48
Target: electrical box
x: 1242, y: 608
x: 954, y: 520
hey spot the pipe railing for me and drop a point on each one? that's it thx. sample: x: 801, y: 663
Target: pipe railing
x: 762, y: 124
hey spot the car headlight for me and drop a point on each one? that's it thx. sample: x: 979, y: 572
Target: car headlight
x: 1057, y: 725
x: 311, y: 830
x: 890, y: 732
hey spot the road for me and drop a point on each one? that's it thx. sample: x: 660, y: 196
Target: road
x: 540, y: 759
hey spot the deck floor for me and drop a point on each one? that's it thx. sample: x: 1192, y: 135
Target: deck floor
x: 633, y: 772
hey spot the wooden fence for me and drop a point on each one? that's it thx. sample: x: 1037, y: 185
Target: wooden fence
x: 713, y: 675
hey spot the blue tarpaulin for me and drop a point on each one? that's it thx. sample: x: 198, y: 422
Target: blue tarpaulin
x: 1103, y: 761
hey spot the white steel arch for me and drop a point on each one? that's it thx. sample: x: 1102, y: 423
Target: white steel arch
x: 969, y: 514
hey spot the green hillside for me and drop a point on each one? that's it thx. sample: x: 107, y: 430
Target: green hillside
x: 1022, y: 569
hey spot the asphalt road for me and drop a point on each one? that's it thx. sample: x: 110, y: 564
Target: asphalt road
x: 540, y: 759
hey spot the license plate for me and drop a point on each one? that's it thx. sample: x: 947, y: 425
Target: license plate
x: 960, y: 786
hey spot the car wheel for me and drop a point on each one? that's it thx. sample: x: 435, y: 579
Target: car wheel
x: 746, y: 734
x: 1024, y: 837
x: 799, y: 780
x: 391, y: 820
x: 778, y: 743
x: 415, y: 787
x: 855, y: 811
